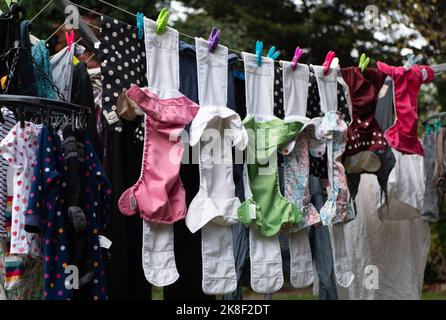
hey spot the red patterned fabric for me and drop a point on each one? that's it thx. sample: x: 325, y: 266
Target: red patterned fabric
x: 364, y: 132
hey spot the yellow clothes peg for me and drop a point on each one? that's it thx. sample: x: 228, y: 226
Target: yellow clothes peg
x: 3, y: 82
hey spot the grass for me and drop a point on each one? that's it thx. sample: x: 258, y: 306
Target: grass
x: 298, y: 294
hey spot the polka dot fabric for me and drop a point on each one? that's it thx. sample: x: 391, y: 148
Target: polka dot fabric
x: 18, y: 149
x: 45, y: 213
x: 318, y: 166
x: 123, y: 63
x: 278, y: 92
x: 97, y: 192
x: 364, y: 132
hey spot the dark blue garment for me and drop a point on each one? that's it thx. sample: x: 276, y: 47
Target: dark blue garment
x: 97, y: 203
x: 45, y: 213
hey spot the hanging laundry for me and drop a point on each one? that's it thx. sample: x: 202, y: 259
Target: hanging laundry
x: 5, y: 128
x: 44, y: 213
x: 82, y: 94
x: 265, y: 134
x: 165, y: 118
x: 215, y: 129
x: 433, y: 145
x: 19, y: 149
x: 62, y: 71
x: 123, y: 61
x: 42, y: 70
x: 400, y: 266
x: 405, y: 188
x: 364, y: 133
x: 368, y: 151
x: 402, y: 136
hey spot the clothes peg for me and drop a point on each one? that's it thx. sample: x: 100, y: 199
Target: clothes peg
x: 69, y: 37
x: 363, y: 62
x: 297, y: 54
x: 214, y: 38
x: 328, y: 59
x: 272, y: 53
x: 429, y: 129
x: 9, y: 2
x: 437, y: 125
x: 161, y: 21
x: 410, y: 62
x: 259, y: 51
x: 140, y: 24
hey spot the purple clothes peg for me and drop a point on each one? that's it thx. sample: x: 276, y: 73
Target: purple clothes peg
x: 296, y: 58
x: 214, y: 38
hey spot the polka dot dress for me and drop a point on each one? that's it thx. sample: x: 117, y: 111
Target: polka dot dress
x: 123, y: 63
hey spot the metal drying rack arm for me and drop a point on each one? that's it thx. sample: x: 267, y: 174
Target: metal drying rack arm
x: 24, y: 102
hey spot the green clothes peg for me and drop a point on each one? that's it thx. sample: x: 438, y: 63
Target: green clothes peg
x: 161, y: 21
x: 363, y: 62
x: 265, y: 206
x: 9, y: 2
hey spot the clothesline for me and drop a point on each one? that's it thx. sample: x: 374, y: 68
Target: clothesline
x: 438, y: 68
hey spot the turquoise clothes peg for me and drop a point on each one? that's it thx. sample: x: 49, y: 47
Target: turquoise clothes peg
x: 161, y: 21
x: 411, y: 61
x: 259, y: 52
x: 140, y: 24
x: 272, y: 53
x: 363, y: 62
x: 429, y: 129
x: 437, y: 126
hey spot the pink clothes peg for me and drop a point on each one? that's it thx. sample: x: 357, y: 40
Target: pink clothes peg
x: 69, y: 37
x: 297, y: 54
x: 328, y: 59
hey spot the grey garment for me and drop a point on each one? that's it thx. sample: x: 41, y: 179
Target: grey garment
x: 321, y: 247
x: 62, y: 71
x: 384, y: 107
x: 240, y: 234
x: 432, y: 195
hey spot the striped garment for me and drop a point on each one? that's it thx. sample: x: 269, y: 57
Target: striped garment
x: 4, y: 130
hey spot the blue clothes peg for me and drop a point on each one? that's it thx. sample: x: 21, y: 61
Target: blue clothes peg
x: 272, y: 53
x: 140, y: 24
x: 259, y: 51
